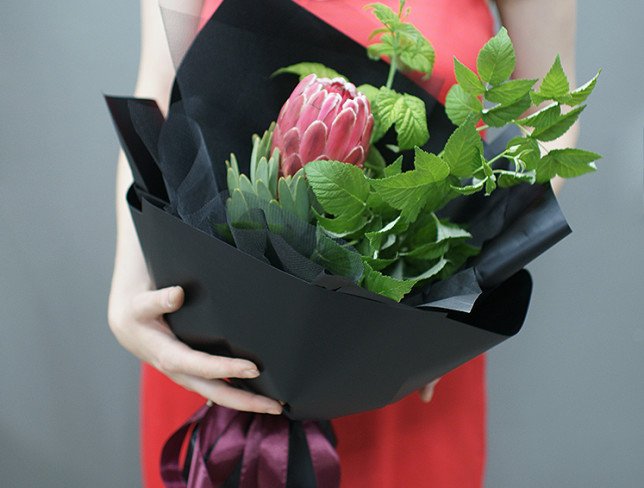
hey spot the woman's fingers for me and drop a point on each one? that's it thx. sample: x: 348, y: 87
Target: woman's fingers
x: 427, y: 391
x: 177, y: 358
x: 152, y: 304
x: 227, y: 396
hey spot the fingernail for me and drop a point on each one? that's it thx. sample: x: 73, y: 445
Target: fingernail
x: 274, y: 410
x: 250, y: 373
x: 171, y: 297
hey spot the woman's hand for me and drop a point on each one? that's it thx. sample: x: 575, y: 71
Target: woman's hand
x: 137, y: 322
x: 427, y: 392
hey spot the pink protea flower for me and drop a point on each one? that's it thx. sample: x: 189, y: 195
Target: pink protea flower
x: 323, y: 119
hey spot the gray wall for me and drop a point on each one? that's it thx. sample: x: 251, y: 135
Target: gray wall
x: 566, y: 395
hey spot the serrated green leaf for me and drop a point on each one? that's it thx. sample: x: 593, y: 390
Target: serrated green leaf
x: 525, y: 152
x: 340, y: 188
x: 463, y: 150
x: 411, y: 122
x: 305, y: 69
x: 555, y: 85
x: 384, y: 108
x: 385, y: 285
x: 383, y: 48
x: 502, y: 114
x: 428, y: 251
x: 542, y: 118
x: 394, y: 168
x: 559, y: 127
x: 566, y: 163
x: 431, y: 163
x: 583, y: 92
x: 468, y: 80
x: 459, y: 105
x: 341, y: 227
x: 506, y: 179
x: 509, y: 91
x: 496, y: 60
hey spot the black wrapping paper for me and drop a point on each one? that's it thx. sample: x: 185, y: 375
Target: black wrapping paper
x: 325, y: 346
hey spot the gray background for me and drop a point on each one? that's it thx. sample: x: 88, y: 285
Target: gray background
x: 566, y: 396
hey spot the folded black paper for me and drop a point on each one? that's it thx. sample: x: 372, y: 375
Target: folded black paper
x: 325, y: 346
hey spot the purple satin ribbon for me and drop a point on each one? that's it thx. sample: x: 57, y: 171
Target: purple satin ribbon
x: 260, y: 441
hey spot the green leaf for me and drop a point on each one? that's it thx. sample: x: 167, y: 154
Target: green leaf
x: 394, y: 168
x: 343, y: 226
x: 469, y: 189
x: 415, y: 51
x: 428, y: 251
x: 384, y: 14
x: 559, y: 127
x: 583, y: 92
x: 463, y: 150
x: 337, y: 259
x: 305, y: 69
x: 411, y: 122
x: 468, y: 80
x: 385, y: 285
x: 502, y: 114
x: 566, y: 163
x: 341, y: 188
x: 555, y: 85
x: 446, y: 230
x: 379, y: 49
x: 506, y: 179
x: 408, y: 192
x: 510, y: 91
x: 524, y: 151
x: 430, y: 163
x: 496, y: 60
x: 459, y: 105
x: 431, y: 272
x: 378, y: 264
x: 384, y: 108
x: 545, y: 117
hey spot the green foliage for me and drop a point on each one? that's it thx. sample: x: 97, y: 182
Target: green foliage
x: 406, y: 113
x: 305, y: 69
x: 496, y: 60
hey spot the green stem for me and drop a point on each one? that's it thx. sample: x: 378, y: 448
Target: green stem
x: 498, y: 156
x: 392, y: 71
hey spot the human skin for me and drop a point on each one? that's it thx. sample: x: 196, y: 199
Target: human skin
x: 539, y: 30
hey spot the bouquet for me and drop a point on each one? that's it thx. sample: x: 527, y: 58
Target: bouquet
x: 366, y: 241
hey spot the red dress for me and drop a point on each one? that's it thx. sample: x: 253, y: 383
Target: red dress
x: 407, y: 444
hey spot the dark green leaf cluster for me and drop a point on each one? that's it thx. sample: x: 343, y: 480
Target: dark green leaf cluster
x: 493, y: 99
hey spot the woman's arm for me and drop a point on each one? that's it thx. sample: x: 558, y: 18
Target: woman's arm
x: 136, y: 309
x: 541, y: 29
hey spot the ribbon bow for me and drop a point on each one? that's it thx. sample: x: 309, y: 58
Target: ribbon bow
x: 226, y: 437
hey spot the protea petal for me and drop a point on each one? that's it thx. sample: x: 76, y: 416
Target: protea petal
x: 330, y: 108
x: 336, y: 146
x: 291, y: 164
x: 356, y: 156
x: 291, y: 112
x: 291, y: 142
x: 313, y: 142
x: 310, y: 111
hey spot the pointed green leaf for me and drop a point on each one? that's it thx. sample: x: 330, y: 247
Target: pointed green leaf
x: 411, y: 122
x: 545, y: 117
x: 496, y: 60
x: 459, y: 105
x: 337, y: 259
x: 555, y: 85
x: 463, y: 150
x: 386, y: 285
x: 430, y: 163
x: 468, y: 80
x: 469, y: 189
x: 394, y: 168
x: 583, y: 92
x: 432, y: 271
x: 506, y: 179
x: 502, y: 114
x: 566, y: 163
x: 341, y: 188
x: 384, y: 14
x: 510, y: 91
x: 560, y: 126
